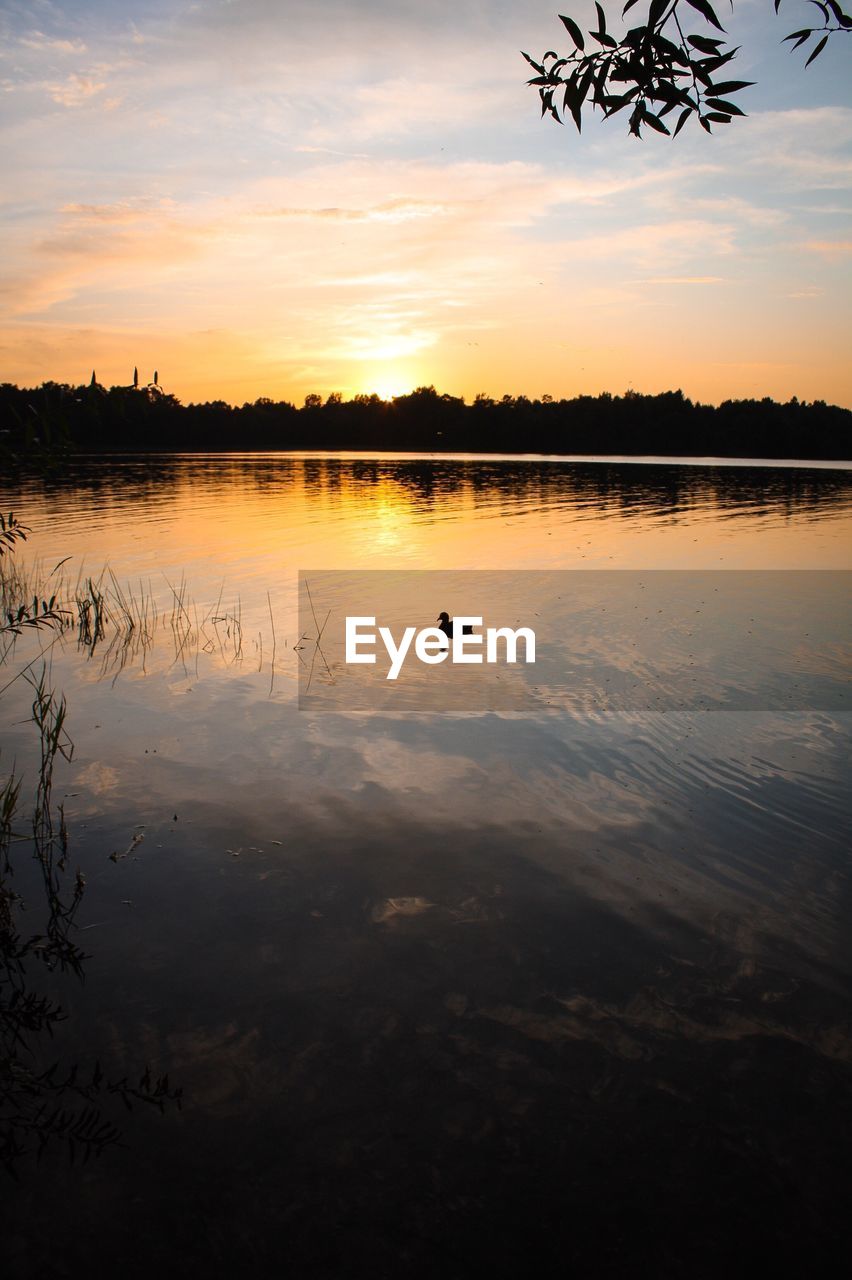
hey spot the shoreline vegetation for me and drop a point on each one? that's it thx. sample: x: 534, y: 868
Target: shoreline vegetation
x: 44, y: 1101
x: 56, y: 418
x: 115, y: 625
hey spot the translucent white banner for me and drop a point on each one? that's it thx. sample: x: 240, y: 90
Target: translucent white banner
x: 584, y: 640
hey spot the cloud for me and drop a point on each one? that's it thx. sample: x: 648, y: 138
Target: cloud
x: 390, y: 211
x: 746, y: 213
x: 33, y: 292
x: 121, y: 211
x: 45, y: 44
x: 805, y: 149
x: 831, y: 248
x: 387, y: 346
x: 329, y: 151
x: 657, y: 244
x: 683, y: 280
x: 370, y: 183
x: 75, y: 90
x: 433, y: 98
x: 372, y: 280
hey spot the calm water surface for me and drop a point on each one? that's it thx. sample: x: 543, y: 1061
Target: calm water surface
x: 445, y: 993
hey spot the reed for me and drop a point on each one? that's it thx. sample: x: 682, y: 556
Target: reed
x: 41, y: 1107
x: 117, y: 624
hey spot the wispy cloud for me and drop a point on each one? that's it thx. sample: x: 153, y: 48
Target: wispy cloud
x: 45, y: 44
x: 75, y: 90
x: 365, y: 186
x: 682, y: 280
x: 121, y: 211
x: 390, y: 211
x: 831, y: 248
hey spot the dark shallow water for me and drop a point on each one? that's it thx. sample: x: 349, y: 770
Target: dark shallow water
x: 446, y: 994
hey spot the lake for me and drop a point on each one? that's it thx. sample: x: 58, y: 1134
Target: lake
x: 561, y: 986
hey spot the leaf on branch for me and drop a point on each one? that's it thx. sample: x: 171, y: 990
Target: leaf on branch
x: 600, y: 79
x: 664, y: 46
x: 653, y: 74
x: 819, y: 5
x: 709, y: 65
x: 668, y: 93
x: 842, y: 18
x: 616, y: 102
x: 682, y: 119
x: 655, y: 122
x: 573, y: 101
x: 574, y: 31
x: 535, y: 65
x: 706, y: 11
x: 702, y: 43
x: 719, y: 104
x: 817, y: 51
x: 732, y: 86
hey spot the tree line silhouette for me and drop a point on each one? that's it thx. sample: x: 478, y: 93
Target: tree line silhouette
x: 56, y: 418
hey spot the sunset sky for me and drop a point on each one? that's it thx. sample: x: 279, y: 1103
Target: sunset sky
x: 277, y: 197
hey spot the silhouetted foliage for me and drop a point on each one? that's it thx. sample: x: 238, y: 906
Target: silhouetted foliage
x: 41, y: 1106
x: 659, y: 67
x: 11, y: 532
x: 122, y: 420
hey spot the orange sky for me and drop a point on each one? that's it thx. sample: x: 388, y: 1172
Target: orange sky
x: 182, y: 195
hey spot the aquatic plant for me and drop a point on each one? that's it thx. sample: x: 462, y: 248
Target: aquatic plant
x: 16, y: 610
x: 11, y: 532
x: 39, y: 1106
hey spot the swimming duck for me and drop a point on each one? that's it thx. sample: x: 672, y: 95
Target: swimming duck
x: 446, y: 626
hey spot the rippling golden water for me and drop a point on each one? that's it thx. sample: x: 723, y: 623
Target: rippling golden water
x: 408, y: 967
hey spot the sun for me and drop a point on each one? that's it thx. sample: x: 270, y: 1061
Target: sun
x: 388, y: 386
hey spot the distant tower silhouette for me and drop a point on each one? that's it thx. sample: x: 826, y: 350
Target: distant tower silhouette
x: 156, y: 378
x: 94, y: 381
x: 135, y: 378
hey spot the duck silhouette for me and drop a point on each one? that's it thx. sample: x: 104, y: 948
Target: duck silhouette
x: 448, y: 627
